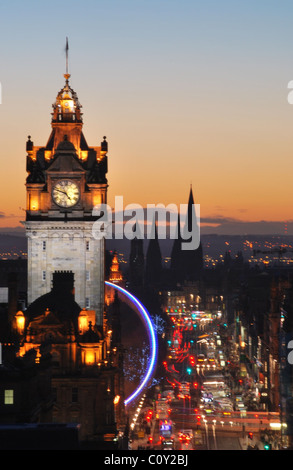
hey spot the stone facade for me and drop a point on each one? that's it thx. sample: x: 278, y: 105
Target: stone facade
x: 59, y: 246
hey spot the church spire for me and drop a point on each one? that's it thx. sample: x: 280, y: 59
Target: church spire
x: 153, y: 258
x: 187, y: 265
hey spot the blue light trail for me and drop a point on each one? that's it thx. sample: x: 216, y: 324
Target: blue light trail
x: 145, y: 317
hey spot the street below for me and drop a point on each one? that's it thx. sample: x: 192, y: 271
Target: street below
x: 207, y: 400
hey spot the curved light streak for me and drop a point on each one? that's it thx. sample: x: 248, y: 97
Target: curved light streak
x: 144, y: 315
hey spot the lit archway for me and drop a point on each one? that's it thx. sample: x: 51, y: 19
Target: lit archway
x: 145, y: 317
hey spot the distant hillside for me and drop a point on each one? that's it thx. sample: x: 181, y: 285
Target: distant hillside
x: 213, y: 245
x: 10, y: 242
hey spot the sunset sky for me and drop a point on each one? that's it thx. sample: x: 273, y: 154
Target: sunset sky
x: 185, y: 91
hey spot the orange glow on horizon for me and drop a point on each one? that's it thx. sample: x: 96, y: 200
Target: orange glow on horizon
x: 234, y: 174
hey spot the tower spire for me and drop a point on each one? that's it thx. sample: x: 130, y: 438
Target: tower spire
x: 66, y: 75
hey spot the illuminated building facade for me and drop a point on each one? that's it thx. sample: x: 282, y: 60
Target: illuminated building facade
x: 115, y: 277
x: 63, y: 331
x: 66, y: 180
x: 115, y: 272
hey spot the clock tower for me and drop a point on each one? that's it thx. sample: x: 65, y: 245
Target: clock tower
x: 66, y: 179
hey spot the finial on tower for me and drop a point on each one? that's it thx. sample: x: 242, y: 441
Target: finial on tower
x: 66, y: 75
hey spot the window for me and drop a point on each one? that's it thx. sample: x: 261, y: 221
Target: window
x: 44, y: 275
x: 87, y: 275
x: 8, y: 397
x: 55, y: 359
x: 54, y: 394
x: 74, y: 395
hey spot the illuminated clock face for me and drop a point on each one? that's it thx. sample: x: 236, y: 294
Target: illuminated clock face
x: 65, y: 193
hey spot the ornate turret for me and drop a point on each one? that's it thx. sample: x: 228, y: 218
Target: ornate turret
x: 66, y: 138
x: 66, y: 107
x: 115, y: 273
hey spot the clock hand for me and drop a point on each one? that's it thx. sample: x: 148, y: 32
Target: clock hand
x: 63, y: 192
x: 59, y: 190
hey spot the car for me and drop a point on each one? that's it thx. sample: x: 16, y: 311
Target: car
x: 185, y: 435
x: 185, y: 384
x: 209, y: 410
x: 224, y: 403
x: 201, y: 359
x: 226, y: 412
x: 168, y: 444
x: 168, y: 394
x: 184, y: 390
x: 211, y: 361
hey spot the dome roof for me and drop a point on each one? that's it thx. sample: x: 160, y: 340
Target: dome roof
x: 66, y: 145
x: 60, y: 303
x: 91, y: 335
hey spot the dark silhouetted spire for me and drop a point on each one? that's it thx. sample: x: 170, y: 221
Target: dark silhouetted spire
x: 136, y: 261
x: 153, y: 259
x: 187, y: 265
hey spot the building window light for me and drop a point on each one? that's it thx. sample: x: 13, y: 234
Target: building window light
x: 8, y: 397
x: 90, y: 358
x: 20, y: 322
x: 83, y: 321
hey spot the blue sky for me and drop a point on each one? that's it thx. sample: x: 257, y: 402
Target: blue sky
x: 185, y: 91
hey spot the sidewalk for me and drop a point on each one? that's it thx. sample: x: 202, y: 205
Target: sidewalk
x: 245, y: 442
x: 144, y: 441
